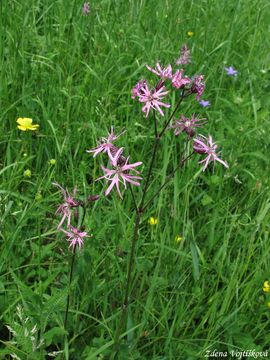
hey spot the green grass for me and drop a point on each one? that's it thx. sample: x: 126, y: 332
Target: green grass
x: 73, y: 74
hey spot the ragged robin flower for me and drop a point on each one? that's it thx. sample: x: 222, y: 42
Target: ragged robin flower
x: 86, y: 8
x: 26, y: 124
x: 105, y: 145
x: 75, y: 236
x: 203, y: 145
x: 65, y: 208
x: 152, y: 99
x: 163, y: 73
x: 187, y: 125
x: 120, y: 174
x: 185, y: 57
x: 179, y: 81
x: 198, y: 86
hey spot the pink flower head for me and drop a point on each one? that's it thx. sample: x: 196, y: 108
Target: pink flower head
x: 163, y: 73
x: 152, y: 98
x: 136, y: 90
x: 202, y: 145
x: 187, y: 125
x: 75, y: 237
x: 121, y: 174
x: 69, y: 203
x: 86, y: 8
x: 185, y: 57
x: 105, y: 144
x: 198, y: 86
x: 178, y: 81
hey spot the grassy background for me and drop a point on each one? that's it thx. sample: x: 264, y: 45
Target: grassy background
x: 72, y: 74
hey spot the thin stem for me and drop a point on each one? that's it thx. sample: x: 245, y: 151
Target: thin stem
x: 155, y: 121
x: 169, y: 177
x: 131, y: 259
x: 71, y: 270
x: 174, y: 111
x: 69, y: 285
x: 157, y: 138
x: 84, y: 213
x: 133, y: 197
x: 129, y: 273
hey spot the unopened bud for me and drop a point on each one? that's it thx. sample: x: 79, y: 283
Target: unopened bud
x: 93, y: 198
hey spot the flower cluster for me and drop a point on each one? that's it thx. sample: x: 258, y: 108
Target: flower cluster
x: 201, y: 144
x: 120, y: 168
x: 66, y: 211
x: 153, y: 97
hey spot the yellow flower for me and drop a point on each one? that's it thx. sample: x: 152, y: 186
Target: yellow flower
x: 266, y: 286
x: 178, y: 238
x: 26, y: 124
x: 152, y: 221
x: 52, y: 162
x: 190, y: 33
x: 27, y: 173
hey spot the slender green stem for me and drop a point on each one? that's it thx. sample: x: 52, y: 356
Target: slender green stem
x: 69, y: 285
x: 128, y: 282
x: 169, y: 178
x: 173, y: 113
x: 84, y: 213
x: 157, y: 138
x: 71, y: 271
x: 131, y: 258
x: 133, y: 197
x: 155, y: 121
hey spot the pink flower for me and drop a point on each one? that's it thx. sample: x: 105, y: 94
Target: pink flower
x: 198, y: 86
x: 121, y: 174
x: 136, y: 90
x: 185, y: 57
x: 187, y: 125
x: 105, y: 144
x: 69, y: 203
x: 75, y: 237
x: 178, y: 81
x: 163, y: 73
x: 152, y: 98
x: 86, y: 8
x: 202, y: 145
